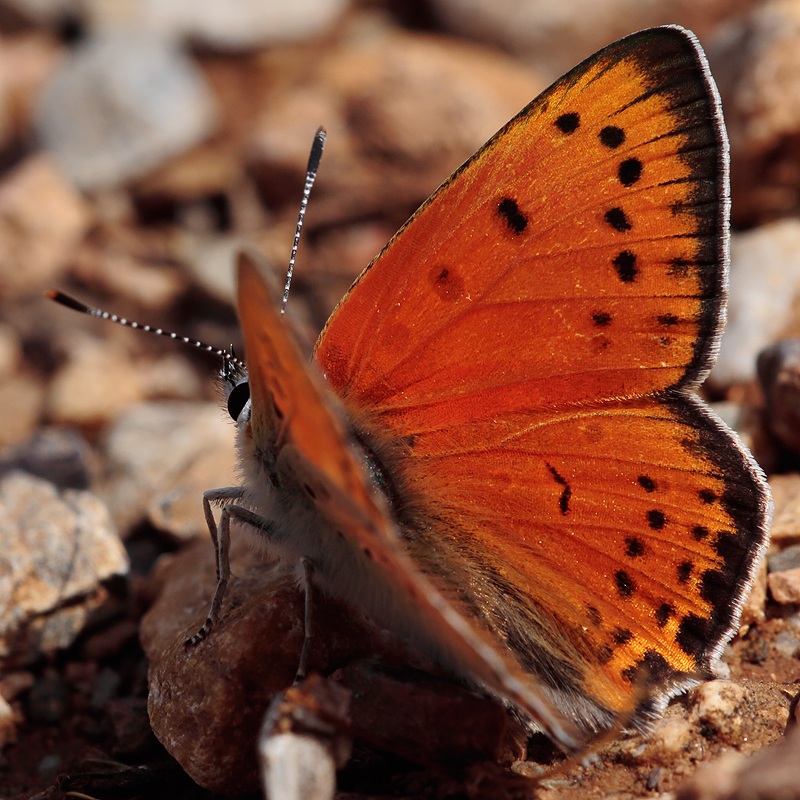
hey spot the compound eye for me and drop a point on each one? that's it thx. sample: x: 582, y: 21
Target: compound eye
x: 238, y: 398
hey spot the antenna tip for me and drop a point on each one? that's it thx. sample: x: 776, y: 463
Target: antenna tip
x: 66, y: 300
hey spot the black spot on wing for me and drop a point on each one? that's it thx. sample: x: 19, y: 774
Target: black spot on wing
x: 684, y: 571
x: 648, y: 484
x: 617, y: 219
x: 516, y: 221
x: 612, y: 137
x: 568, y: 123
x: 622, y: 636
x: 656, y: 519
x: 625, y: 584
x: 563, y: 501
x: 634, y: 547
x: 663, y: 614
x: 629, y: 171
x: 625, y: 264
x: 601, y: 318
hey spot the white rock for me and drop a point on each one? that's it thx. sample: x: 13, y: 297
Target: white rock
x: 55, y: 548
x: 122, y: 104
x: 765, y: 278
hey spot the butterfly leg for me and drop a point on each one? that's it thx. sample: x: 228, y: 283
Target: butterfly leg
x: 308, y: 571
x: 221, y: 536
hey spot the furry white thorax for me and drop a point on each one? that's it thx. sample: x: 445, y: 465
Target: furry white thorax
x: 299, y: 530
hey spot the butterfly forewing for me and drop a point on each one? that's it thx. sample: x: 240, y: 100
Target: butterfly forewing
x: 587, y: 235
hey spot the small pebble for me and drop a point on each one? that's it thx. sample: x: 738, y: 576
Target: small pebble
x: 786, y: 644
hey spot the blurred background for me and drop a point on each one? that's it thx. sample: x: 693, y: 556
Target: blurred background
x: 142, y: 142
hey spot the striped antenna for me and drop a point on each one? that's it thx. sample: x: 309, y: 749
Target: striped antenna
x: 229, y: 359
x: 317, y: 146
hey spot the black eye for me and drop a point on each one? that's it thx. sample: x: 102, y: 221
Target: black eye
x: 238, y: 398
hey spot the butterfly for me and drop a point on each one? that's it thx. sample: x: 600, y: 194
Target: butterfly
x: 497, y: 450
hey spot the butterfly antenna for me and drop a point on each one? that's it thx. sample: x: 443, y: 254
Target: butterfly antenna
x: 311, y: 175
x: 229, y: 359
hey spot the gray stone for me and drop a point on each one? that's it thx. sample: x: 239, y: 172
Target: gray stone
x: 786, y: 644
x: 765, y: 279
x: 784, y: 559
x: 122, y: 104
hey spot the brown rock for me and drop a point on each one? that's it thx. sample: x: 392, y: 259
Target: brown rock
x: 401, y: 110
x: 22, y: 399
x: 785, y: 586
x: 772, y: 774
x: 717, y: 704
x: 207, y: 702
x: 556, y: 37
x: 756, y: 62
x: 753, y: 609
x: 786, y: 518
x: 428, y: 719
x: 779, y: 373
x: 97, y: 382
x: 42, y: 220
x: 10, y: 351
x: 26, y: 61
x: 304, y: 740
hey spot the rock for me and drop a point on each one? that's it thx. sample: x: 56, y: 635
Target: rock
x: 779, y: 374
x: 22, y: 399
x: 785, y: 586
x: 42, y: 221
x: 786, y: 644
x: 753, y: 609
x: 46, y: 11
x: 221, y: 24
x: 122, y: 104
x: 96, y: 384
x: 207, y: 702
x: 765, y: 278
x: 402, y: 111
x: 8, y: 723
x: 426, y: 719
x: 59, y: 456
x: 171, y: 376
x: 717, y: 704
x: 670, y: 736
x: 10, y: 351
x: 786, y: 518
x: 784, y: 559
x: 755, y: 59
x: 27, y: 59
x: 162, y: 457
x: 112, y: 268
x: 300, y: 746
x: 55, y: 549
x: 771, y: 774
x: 555, y: 37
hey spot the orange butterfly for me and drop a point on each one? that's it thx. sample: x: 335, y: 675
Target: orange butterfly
x: 498, y: 451
x: 505, y: 460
